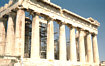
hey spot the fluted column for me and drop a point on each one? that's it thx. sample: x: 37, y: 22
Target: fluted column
x: 50, y: 40
x: 20, y: 33
x: 95, y: 49
x: 62, y: 42
x: 73, y: 56
x: 35, y: 45
x: 2, y: 37
x: 89, y: 48
x: 81, y: 47
x: 9, y: 48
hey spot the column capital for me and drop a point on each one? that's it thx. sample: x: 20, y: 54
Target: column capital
x: 83, y: 32
x: 87, y: 32
x: 20, y: 8
x: 58, y: 21
x: 50, y: 19
x: 61, y: 23
x: 80, y: 29
x: 93, y: 34
x: 12, y: 14
x: 35, y: 13
x: 70, y: 26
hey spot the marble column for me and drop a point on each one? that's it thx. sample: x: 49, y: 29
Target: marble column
x: 35, y: 45
x: 95, y: 49
x: 50, y: 40
x: 62, y: 42
x: 20, y: 33
x: 81, y: 46
x: 73, y: 56
x: 2, y: 37
x: 89, y: 49
x: 10, y: 39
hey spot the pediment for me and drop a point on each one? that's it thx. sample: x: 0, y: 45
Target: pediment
x: 93, y: 21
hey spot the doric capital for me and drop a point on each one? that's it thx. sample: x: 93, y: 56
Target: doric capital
x: 80, y: 29
x: 61, y: 23
x: 12, y: 14
x: 93, y: 34
x: 35, y: 13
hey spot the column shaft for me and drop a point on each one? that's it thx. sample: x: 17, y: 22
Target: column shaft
x: 89, y: 49
x: 81, y: 47
x: 20, y: 33
x: 35, y: 45
x: 50, y: 40
x: 62, y: 43
x: 95, y: 49
x: 9, y: 48
x: 2, y: 37
x: 73, y: 56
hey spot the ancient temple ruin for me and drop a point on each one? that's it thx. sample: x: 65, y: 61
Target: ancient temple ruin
x: 20, y: 38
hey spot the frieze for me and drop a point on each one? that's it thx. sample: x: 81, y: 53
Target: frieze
x: 71, y: 18
x: 55, y: 12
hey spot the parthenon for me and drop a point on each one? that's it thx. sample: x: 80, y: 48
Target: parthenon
x: 20, y: 40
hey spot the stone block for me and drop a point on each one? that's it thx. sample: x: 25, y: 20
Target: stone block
x: 5, y: 62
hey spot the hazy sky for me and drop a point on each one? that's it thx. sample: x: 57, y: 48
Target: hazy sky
x: 86, y: 8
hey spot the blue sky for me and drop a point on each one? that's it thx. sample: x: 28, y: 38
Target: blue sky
x: 86, y: 8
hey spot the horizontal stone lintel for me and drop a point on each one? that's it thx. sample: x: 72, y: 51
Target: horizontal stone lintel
x: 51, y: 5
x: 8, y: 10
x: 57, y: 15
x: 62, y: 15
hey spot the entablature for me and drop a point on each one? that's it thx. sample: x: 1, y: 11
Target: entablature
x: 46, y: 8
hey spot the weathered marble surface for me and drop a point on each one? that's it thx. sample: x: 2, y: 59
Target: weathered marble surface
x: 51, y: 13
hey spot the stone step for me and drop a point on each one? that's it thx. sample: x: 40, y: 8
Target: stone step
x: 6, y: 62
